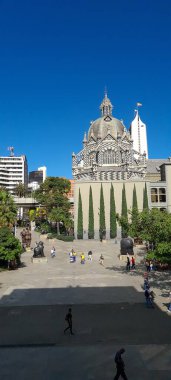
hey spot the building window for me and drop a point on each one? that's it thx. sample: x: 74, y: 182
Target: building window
x: 158, y: 195
x: 162, y: 194
x: 154, y: 195
x: 109, y: 157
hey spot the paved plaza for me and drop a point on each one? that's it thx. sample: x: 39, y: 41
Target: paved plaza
x: 108, y: 312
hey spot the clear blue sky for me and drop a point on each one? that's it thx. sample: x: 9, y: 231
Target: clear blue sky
x: 57, y: 56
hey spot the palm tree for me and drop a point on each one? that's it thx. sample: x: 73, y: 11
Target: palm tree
x: 20, y: 190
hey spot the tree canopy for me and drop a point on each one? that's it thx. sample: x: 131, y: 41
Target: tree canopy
x: 52, y: 195
x: 153, y: 226
x: 8, y: 209
x: 10, y: 246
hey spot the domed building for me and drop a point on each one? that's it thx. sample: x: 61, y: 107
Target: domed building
x: 108, y: 152
x: 115, y: 158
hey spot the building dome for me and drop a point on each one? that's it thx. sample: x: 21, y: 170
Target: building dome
x: 105, y: 125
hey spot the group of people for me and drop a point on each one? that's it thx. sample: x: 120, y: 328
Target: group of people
x: 130, y: 263
x: 73, y: 255
x: 149, y: 265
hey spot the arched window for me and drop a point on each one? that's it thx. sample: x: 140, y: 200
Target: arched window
x: 109, y: 157
x: 91, y: 160
x: 122, y: 157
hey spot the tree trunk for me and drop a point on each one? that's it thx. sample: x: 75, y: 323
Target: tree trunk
x: 58, y: 230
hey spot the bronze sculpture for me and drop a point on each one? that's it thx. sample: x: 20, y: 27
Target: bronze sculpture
x: 126, y: 246
x: 39, y: 250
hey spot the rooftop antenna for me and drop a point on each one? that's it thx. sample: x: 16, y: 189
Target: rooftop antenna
x: 11, y: 149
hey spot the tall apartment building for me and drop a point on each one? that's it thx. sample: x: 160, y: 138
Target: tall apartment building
x: 13, y: 170
x: 37, y: 177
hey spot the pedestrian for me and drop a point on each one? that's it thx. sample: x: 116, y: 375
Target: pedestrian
x: 146, y: 284
x: 90, y: 255
x: 147, y: 264
x: 132, y: 263
x: 120, y: 365
x: 82, y: 258
x: 149, y: 298
x: 151, y: 266
x: 101, y: 259
x: 128, y: 263
x: 169, y: 307
x: 68, y: 319
x: 53, y: 252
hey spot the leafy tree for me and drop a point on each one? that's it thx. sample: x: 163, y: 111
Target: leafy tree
x: 102, y: 224
x: 41, y: 213
x: 155, y: 226
x: 162, y: 252
x: 145, y: 198
x: 20, y: 190
x: 32, y: 215
x: 80, y: 218
x: 52, y: 195
x: 10, y: 246
x: 124, y: 213
x: 8, y: 209
x: 113, y: 226
x: 91, y: 216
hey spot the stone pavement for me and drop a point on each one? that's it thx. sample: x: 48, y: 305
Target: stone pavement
x: 108, y: 312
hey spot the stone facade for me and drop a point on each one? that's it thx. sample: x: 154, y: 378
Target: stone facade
x: 108, y: 152
x: 108, y: 157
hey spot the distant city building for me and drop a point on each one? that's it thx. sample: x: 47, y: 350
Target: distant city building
x: 113, y: 155
x: 37, y: 177
x: 13, y: 170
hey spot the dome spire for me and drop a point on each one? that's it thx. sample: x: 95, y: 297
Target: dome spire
x: 106, y: 105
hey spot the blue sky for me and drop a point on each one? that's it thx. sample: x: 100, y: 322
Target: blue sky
x: 57, y: 56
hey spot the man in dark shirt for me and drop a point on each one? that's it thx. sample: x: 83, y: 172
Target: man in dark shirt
x: 68, y: 319
x: 120, y: 366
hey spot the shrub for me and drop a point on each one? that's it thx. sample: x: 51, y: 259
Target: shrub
x: 52, y: 235
x: 65, y: 238
x: 10, y: 246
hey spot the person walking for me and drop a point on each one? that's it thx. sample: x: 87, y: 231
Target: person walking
x: 169, y: 306
x: 149, y: 298
x: 120, y: 365
x: 90, y: 255
x: 101, y: 259
x: 82, y: 258
x: 132, y: 263
x: 68, y: 319
x: 53, y: 252
x: 128, y: 263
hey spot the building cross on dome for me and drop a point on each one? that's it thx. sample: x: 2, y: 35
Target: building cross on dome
x: 106, y: 106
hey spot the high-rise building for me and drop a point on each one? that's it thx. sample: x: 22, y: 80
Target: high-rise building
x: 37, y: 177
x: 139, y: 136
x: 13, y: 170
